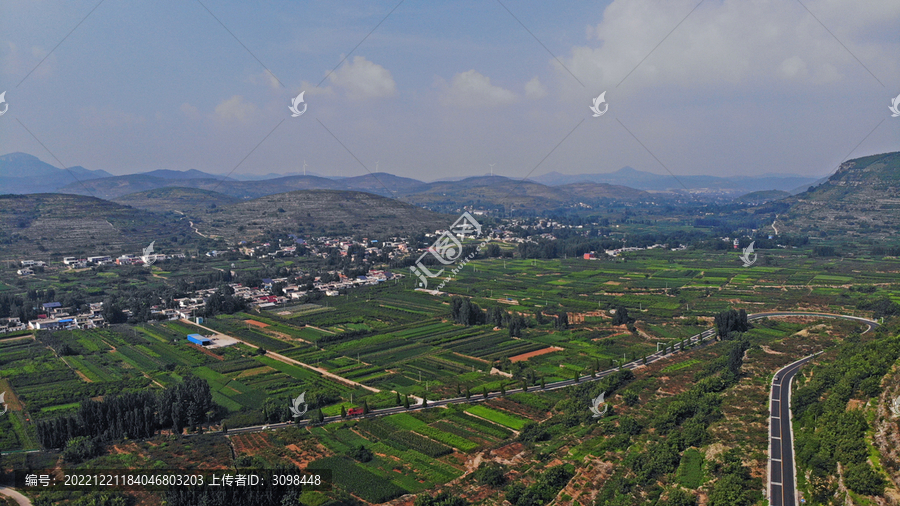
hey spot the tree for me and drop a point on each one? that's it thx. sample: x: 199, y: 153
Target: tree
x: 362, y: 454
x: 406, y: 401
x: 543, y: 384
x: 562, y: 321
x: 621, y: 316
x: 862, y: 479
x: 502, y: 389
x: 343, y: 412
x: 445, y: 498
x: 365, y: 407
x: 468, y: 394
x: 484, y: 392
x: 224, y: 428
x: 679, y: 497
x: 491, y: 474
x: 397, y: 401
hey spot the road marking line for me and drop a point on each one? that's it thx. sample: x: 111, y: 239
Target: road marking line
x: 773, y: 437
x: 776, y: 460
x: 773, y: 483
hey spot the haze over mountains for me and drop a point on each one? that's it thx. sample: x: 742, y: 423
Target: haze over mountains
x: 24, y: 173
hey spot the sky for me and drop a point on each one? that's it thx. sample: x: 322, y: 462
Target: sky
x: 443, y: 89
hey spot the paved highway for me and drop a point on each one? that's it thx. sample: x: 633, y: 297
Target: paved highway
x: 782, y: 468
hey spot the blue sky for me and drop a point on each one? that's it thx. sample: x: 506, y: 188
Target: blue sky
x: 442, y: 89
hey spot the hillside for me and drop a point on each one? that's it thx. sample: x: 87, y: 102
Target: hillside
x: 321, y: 211
x: 41, y: 226
x: 761, y: 197
x: 642, y: 180
x: 174, y: 198
x: 861, y: 198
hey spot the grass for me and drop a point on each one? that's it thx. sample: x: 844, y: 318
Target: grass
x: 690, y: 471
x: 505, y: 419
x: 681, y: 365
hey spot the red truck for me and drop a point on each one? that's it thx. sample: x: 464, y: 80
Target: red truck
x: 355, y: 411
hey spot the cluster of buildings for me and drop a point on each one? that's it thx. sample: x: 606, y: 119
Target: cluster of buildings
x: 56, y: 317
x: 28, y: 267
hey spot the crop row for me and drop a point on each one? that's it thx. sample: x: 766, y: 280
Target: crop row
x: 359, y: 481
x: 402, y: 439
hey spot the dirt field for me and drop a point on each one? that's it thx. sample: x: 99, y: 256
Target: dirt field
x: 256, y: 323
x: 526, y: 356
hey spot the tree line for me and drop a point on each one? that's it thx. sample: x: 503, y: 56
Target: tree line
x: 129, y: 415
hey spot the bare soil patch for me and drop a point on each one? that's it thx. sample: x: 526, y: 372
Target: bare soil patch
x: 526, y: 356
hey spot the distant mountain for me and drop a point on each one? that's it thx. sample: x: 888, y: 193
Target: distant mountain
x: 24, y: 173
x: 861, y: 198
x: 628, y: 176
x: 273, y: 175
x: 183, y: 174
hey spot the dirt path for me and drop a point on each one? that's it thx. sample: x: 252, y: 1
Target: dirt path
x: 288, y: 360
x: 13, y: 494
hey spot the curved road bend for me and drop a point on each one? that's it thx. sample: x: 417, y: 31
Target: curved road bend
x: 20, y: 499
x: 782, y: 487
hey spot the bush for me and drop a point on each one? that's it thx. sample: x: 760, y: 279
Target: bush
x: 362, y: 454
x: 490, y: 474
x: 862, y: 479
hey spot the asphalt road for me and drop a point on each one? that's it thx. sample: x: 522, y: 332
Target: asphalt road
x: 782, y: 468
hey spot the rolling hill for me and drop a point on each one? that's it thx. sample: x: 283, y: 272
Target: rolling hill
x: 861, y: 198
x: 642, y: 180
x: 321, y: 211
x: 175, y: 198
x: 41, y: 226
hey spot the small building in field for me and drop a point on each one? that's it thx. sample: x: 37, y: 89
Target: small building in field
x: 198, y: 339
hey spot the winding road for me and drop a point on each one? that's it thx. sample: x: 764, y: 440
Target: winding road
x: 782, y: 489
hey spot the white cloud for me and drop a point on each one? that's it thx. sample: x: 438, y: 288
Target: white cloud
x: 265, y: 78
x: 362, y: 79
x: 472, y: 89
x: 534, y: 89
x: 235, y: 108
x: 733, y: 42
x: 311, y: 89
